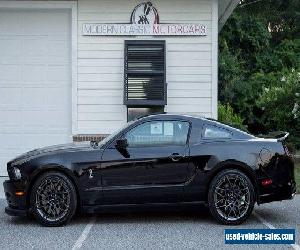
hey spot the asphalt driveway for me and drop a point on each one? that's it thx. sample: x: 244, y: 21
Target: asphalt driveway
x: 188, y: 229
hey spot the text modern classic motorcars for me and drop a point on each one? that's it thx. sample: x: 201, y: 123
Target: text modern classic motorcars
x: 159, y: 160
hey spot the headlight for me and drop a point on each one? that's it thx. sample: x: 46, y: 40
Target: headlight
x: 16, y: 173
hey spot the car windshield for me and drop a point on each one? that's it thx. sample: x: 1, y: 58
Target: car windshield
x: 111, y: 136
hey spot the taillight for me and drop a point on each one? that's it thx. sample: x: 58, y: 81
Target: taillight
x: 266, y: 182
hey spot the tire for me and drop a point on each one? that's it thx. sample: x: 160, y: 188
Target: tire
x: 231, y: 197
x: 53, y: 199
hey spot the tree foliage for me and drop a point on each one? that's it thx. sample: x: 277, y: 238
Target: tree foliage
x: 227, y: 116
x: 259, y: 47
x: 281, y: 105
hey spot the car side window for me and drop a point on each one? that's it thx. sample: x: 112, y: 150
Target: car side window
x: 212, y: 132
x: 158, y: 133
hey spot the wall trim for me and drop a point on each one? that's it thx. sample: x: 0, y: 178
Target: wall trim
x: 70, y: 5
x: 231, y: 5
x: 214, y: 51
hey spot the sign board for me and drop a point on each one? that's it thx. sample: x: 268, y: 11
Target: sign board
x: 144, y: 22
x: 144, y: 30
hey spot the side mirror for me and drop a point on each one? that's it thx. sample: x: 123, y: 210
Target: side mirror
x: 121, y: 143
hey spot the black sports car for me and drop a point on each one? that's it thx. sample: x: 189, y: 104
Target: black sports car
x: 156, y: 160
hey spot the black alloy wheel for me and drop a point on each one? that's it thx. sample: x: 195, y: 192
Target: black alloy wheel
x: 231, y: 197
x: 53, y: 199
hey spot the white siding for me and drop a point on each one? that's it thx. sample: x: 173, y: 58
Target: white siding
x: 35, y: 80
x: 101, y: 63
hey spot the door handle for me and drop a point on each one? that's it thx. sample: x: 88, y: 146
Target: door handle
x: 176, y: 157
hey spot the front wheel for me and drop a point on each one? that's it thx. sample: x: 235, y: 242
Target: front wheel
x: 231, y: 197
x: 53, y: 199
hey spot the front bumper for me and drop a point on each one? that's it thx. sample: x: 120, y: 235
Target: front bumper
x: 15, y: 212
x: 16, y: 204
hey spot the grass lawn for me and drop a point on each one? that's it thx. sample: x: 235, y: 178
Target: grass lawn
x: 297, y: 176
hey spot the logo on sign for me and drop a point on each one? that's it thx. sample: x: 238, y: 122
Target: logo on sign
x: 144, y: 22
x: 145, y: 13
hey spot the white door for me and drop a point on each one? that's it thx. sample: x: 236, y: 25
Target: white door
x: 35, y: 81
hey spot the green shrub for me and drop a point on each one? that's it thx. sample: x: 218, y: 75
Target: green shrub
x: 280, y: 105
x: 226, y: 115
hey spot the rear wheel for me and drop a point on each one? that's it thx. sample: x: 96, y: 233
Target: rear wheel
x: 53, y: 199
x: 231, y: 197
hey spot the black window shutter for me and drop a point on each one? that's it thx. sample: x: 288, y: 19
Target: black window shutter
x: 145, y: 73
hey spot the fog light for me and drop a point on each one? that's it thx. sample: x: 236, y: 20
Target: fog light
x: 266, y: 182
x: 17, y: 173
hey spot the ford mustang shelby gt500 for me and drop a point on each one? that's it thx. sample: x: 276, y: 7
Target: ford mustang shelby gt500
x: 159, y: 160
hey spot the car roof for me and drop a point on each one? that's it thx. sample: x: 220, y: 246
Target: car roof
x: 198, y: 118
x: 172, y: 116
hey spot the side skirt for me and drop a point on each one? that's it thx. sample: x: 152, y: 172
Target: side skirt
x: 156, y: 207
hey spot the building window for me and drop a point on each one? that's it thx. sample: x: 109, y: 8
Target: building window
x: 134, y: 113
x: 145, y: 73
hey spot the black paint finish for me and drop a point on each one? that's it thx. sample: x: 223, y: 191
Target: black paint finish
x: 106, y: 176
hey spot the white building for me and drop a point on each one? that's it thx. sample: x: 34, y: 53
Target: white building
x: 70, y: 69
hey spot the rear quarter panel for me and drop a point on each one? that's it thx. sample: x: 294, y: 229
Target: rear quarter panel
x: 208, y: 157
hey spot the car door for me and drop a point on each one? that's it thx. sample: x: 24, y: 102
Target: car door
x: 152, y: 168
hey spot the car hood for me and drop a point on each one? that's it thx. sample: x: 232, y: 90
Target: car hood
x: 70, y: 147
